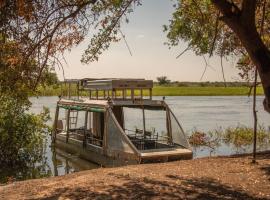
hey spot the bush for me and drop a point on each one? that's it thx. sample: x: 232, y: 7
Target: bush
x: 163, y: 80
x: 21, y: 138
x: 239, y: 137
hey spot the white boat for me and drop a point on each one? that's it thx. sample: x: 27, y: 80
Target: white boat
x: 97, y: 129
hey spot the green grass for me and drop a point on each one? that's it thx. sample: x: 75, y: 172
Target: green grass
x: 171, y: 91
x: 203, y: 91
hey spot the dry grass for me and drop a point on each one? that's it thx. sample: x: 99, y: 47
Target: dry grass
x: 207, y: 178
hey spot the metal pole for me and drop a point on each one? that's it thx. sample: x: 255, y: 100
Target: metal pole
x: 69, y: 91
x: 68, y: 119
x: 78, y: 90
x: 143, y: 122
x: 85, y: 128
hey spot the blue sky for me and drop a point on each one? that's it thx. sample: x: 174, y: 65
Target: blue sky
x: 150, y: 57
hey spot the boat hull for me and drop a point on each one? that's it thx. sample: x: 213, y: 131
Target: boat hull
x: 96, y: 154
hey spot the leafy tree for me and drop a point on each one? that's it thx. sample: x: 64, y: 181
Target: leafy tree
x: 21, y: 141
x: 226, y: 28
x: 162, y: 80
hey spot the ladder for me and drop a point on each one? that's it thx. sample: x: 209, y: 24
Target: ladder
x: 73, y: 119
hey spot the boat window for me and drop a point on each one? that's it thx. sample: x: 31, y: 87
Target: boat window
x: 151, y: 133
x: 178, y: 134
x: 79, y: 127
x: 116, y: 139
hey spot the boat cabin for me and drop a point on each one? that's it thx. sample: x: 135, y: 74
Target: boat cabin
x: 115, y: 122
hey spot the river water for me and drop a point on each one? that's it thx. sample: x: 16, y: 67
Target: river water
x: 202, y: 113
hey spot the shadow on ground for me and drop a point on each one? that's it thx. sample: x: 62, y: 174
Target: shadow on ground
x: 174, y: 187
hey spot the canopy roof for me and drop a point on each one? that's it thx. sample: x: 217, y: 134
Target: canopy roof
x: 113, y: 84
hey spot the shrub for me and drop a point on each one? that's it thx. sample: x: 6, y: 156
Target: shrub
x: 21, y: 138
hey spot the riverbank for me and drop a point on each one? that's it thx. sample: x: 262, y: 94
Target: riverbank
x: 206, y: 178
x: 172, y: 91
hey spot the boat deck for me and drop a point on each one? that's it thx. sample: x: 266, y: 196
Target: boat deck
x: 167, y: 152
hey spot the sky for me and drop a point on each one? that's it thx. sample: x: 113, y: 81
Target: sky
x: 150, y: 57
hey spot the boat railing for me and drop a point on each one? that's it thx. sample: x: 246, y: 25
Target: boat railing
x: 141, y: 139
x: 116, y: 89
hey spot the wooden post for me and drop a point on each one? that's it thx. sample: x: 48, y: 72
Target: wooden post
x: 69, y: 95
x: 141, y: 94
x: 78, y: 92
x: 113, y: 94
x: 150, y: 93
x: 85, y: 128
x: 90, y: 94
x: 104, y: 94
x: 97, y: 94
x: 68, y: 120
x: 132, y: 94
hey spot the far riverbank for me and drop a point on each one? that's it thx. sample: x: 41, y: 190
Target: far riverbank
x: 171, y: 91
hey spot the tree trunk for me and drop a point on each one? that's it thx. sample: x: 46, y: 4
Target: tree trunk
x: 260, y: 56
x: 242, y: 22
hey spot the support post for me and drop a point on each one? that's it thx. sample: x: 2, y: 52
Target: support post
x: 69, y: 95
x: 85, y: 128
x: 124, y: 93
x: 68, y: 120
x: 169, y: 126
x: 132, y: 94
x: 150, y: 93
x: 97, y: 94
x: 113, y: 94
x: 78, y: 90
x: 143, y: 122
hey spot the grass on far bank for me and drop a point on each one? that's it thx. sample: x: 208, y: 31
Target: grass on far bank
x: 171, y: 91
x: 203, y: 91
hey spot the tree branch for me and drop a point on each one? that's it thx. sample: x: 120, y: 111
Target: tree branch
x: 228, y: 9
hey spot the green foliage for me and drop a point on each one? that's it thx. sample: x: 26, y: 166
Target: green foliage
x: 200, y: 24
x: 239, y: 137
x: 194, y: 23
x: 109, y: 16
x: 202, y: 91
x: 21, y: 138
x: 242, y: 136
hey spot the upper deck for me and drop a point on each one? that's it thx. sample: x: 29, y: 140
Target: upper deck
x: 110, y: 92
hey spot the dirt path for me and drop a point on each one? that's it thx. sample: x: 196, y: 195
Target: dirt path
x: 208, y: 178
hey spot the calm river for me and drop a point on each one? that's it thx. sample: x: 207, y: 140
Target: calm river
x: 201, y: 112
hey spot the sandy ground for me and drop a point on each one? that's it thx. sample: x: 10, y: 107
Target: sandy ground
x: 207, y: 178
